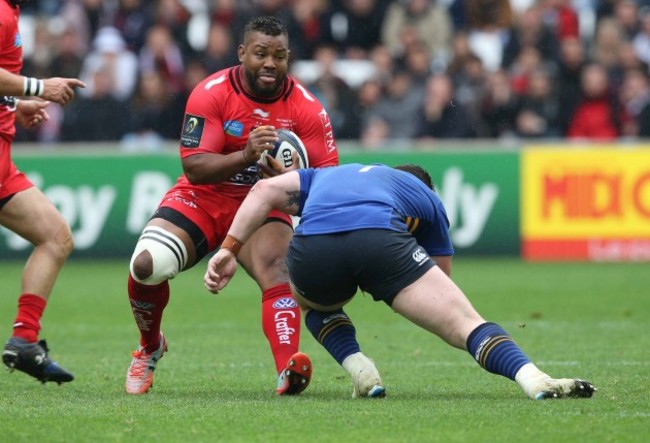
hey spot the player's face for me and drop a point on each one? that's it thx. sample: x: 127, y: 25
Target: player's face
x: 265, y: 60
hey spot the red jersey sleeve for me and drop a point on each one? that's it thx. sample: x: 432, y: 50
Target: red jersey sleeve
x: 202, y: 130
x: 314, y: 128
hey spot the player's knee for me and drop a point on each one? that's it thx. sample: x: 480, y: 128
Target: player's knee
x: 60, y: 244
x: 142, y: 266
x: 65, y: 242
x: 159, y: 256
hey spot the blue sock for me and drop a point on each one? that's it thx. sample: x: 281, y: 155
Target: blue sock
x: 495, y: 351
x: 334, y: 331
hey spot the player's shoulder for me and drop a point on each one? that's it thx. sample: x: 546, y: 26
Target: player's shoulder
x: 300, y: 94
x: 217, y: 81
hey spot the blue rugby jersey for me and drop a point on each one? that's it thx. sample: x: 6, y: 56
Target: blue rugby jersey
x: 355, y: 196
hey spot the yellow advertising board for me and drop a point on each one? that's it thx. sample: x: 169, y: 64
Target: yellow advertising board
x: 585, y: 203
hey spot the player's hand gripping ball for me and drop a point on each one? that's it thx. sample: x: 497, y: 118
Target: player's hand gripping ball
x: 283, y: 151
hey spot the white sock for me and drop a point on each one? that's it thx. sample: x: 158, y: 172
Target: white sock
x: 355, y: 363
x: 528, y: 378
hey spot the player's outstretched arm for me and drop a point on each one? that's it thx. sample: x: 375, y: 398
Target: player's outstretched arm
x: 281, y: 193
x: 58, y: 90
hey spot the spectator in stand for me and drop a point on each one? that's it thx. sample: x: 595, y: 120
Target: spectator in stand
x: 560, y: 16
x: 333, y: 92
x: 133, y: 19
x: 68, y: 54
x: 66, y: 62
x: 153, y: 115
x: 499, y: 106
x: 305, y: 24
x: 538, y: 108
x: 641, y: 41
x: 111, y: 54
x: 38, y: 63
x: 411, y: 21
x: 607, y: 47
x: 220, y: 51
x: 418, y: 64
x: 100, y: 117
x: 398, y: 106
x: 161, y: 53
x: 467, y: 71
x: 530, y: 31
x: 635, y: 101
x: 384, y: 64
x: 84, y: 17
x: 596, y: 116
x: 441, y: 116
x: 572, y: 62
x: 528, y: 61
x: 626, y: 13
x: 354, y: 26
x: 365, y: 100
x: 175, y: 16
x: 230, y: 13
x: 488, y: 22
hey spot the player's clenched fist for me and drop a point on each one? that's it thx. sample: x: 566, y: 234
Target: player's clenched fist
x: 60, y: 90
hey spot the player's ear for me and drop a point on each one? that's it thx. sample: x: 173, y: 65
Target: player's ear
x: 241, y: 52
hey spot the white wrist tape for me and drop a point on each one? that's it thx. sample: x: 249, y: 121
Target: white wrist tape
x: 32, y: 86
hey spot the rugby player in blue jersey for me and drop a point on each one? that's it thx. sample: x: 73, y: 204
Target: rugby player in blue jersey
x: 385, y: 231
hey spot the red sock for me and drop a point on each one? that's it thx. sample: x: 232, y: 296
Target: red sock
x: 28, y: 319
x: 281, y: 323
x: 148, y: 304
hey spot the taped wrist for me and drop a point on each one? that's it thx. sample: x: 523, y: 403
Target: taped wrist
x: 32, y: 87
x: 232, y: 244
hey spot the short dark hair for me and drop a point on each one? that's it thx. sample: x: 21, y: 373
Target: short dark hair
x: 419, y: 172
x: 266, y: 25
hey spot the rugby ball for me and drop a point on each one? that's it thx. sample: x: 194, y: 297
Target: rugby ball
x: 288, y: 143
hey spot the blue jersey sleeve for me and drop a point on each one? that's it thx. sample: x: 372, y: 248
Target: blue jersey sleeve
x: 306, y: 179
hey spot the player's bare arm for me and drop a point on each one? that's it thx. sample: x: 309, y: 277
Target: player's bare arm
x: 209, y: 168
x: 58, y: 90
x: 281, y: 193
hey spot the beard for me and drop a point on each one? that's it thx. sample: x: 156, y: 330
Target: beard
x: 265, y: 91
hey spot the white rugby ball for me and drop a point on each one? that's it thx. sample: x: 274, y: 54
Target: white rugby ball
x: 288, y: 143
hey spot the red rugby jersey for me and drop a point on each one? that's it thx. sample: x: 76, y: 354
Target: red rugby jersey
x: 11, y: 59
x: 220, y: 114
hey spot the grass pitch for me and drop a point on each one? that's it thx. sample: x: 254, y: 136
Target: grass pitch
x: 217, y: 381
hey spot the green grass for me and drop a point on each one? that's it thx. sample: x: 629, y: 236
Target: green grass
x: 217, y: 381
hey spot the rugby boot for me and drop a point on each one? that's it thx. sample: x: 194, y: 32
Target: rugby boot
x: 295, y: 377
x: 33, y: 359
x: 139, y: 377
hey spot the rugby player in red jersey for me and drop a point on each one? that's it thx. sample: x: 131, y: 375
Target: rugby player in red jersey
x: 24, y: 209
x: 230, y: 121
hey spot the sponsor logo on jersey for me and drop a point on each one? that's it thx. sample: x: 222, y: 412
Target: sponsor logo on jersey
x: 285, y: 303
x: 419, y: 256
x: 327, y: 127
x: 18, y: 41
x: 192, y: 131
x: 234, y: 128
x: 257, y: 112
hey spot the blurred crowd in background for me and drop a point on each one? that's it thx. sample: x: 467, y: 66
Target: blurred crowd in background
x: 387, y: 71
